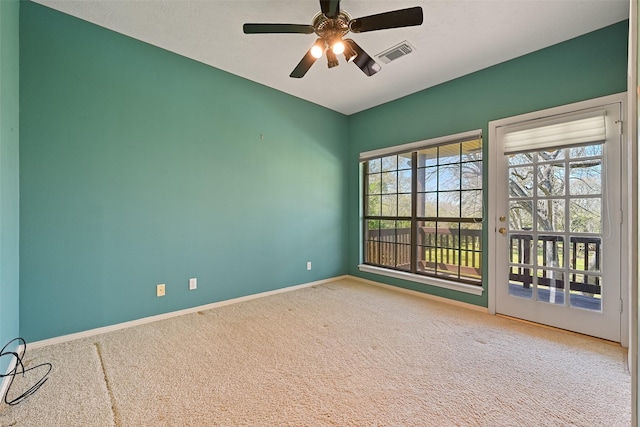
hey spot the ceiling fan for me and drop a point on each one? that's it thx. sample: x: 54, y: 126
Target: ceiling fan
x: 331, y: 25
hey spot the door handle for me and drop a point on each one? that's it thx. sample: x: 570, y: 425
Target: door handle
x: 503, y: 218
x: 502, y: 230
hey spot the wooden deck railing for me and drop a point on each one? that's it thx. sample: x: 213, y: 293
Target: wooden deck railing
x: 444, y: 250
x: 452, y: 250
x: 583, y: 251
x: 392, y: 248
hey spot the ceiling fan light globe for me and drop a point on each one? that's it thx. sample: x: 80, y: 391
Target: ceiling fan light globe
x: 316, y: 51
x: 338, y: 47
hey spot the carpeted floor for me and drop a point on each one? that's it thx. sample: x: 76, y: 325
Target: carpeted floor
x: 339, y: 354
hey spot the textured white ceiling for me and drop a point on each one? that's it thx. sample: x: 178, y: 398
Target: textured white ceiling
x: 457, y: 37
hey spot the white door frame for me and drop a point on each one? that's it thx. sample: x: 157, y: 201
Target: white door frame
x: 494, y: 156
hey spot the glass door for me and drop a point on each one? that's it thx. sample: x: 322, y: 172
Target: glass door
x: 558, y: 225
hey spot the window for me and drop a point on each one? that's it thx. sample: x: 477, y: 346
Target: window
x: 423, y: 209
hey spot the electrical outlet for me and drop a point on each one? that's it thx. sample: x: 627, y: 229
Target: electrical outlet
x: 193, y: 283
x: 160, y: 290
x: 308, y: 265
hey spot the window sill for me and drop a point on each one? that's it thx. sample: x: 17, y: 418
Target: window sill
x: 461, y: 287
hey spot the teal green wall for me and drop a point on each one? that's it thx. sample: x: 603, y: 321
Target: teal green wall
x: 589, y: 66
x: 141, y: 167
x: 9, y: 191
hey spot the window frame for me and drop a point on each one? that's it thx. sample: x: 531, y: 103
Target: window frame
x: 413, y: 274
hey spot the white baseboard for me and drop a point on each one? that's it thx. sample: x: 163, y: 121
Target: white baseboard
x: 4, y: 386
x: 129, y: 324
x: 423, y: 295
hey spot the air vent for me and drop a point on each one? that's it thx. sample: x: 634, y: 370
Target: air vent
x: 397, y: 51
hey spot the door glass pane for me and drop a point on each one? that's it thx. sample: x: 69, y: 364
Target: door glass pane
x: 551, y: 286
x: 586, y: 151
x: 521, y: 181
x: 547, y: 155
x: 520, y: 282
x: 551, y: 180
x: 586, y: 291
x: 550, y: 215
x: 521, y: 274
x: 520, y: 159
x: 585, y: 254
x: 521, y: 215
x: 550, y: 251
x: 585, y: 177
x: 521, y: 249
x: 586, y: 215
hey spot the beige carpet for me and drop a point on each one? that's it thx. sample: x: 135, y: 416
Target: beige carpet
x: 340, y: 354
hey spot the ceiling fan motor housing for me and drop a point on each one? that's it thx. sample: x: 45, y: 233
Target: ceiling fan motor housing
x: 331, y: 30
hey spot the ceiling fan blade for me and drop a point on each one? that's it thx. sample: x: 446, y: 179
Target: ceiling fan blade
x: 303, y: 66
x: 382, y: 21
x: 277, y: 28
x: 363, y: 60
x: 330, y: 8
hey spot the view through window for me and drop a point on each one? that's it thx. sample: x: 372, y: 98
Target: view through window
x: 555, y: 200
x: 423, y: 211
